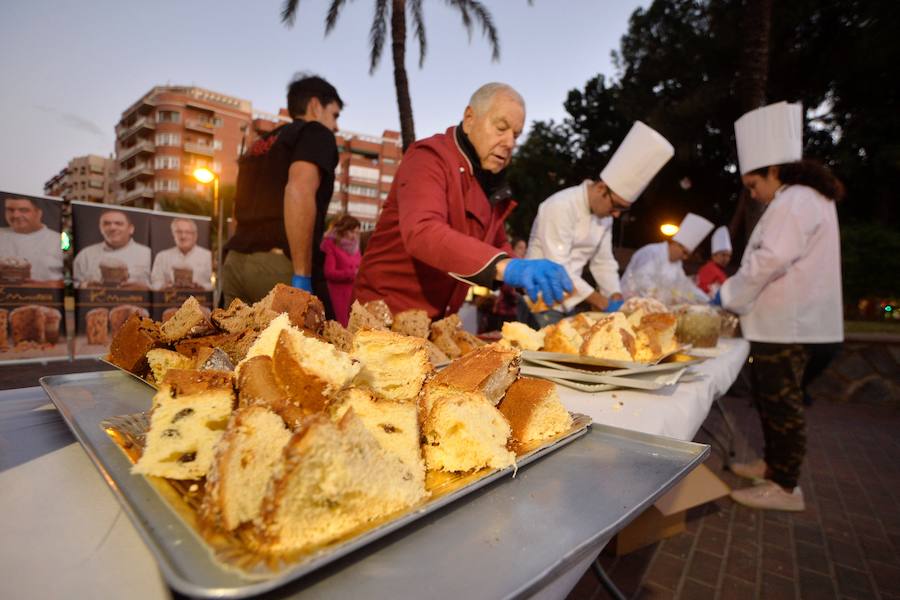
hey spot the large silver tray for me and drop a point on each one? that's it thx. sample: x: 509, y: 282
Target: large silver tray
x: 186, y: 561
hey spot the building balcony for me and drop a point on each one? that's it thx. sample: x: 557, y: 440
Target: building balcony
x: 199, y: 125
x: 140, y: 147
x: 123, y: 132
x: 202, y: 149
x: 139, y: 192
x: 142, y: 170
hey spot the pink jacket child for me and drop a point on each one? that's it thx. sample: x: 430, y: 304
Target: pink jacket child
x: 342, y: 260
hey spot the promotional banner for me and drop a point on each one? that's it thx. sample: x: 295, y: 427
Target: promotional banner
x: 182, y: 262
x: 31, y: 278
x: 111, y: 271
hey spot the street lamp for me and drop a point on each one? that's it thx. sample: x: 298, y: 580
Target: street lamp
x: 205, y: 176
x: 668, y: 229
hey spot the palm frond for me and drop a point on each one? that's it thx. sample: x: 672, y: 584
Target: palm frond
x: 469, y: 8
x: 377, y: 34
x: 487, y: 26
x: 415, y: 7
x: 332, y: 16
x: 289, y: 12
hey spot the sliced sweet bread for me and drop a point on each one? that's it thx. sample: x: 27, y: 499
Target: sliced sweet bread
x: 237, y: 317
x: 534, y: 410
x: 611, y: 337
x: 465, y: 431
x: 414, y: 322
x: 161, y: 360
x: 244, y: 460
x: 258, y: 385
x: 394, y: 424
x: 188, y: 321
x: 184, y: 430
x: 381, y: 311
x: 655, y: 336
x: 332, y: 478
x: 488, y: 370
x: 303, y: 309
x: 360, y: 318
x: 335, y: 333
x: 562, y: 337
x: 394, y: 366
x: 521, y: 336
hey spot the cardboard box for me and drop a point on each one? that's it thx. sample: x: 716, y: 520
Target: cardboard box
x: 667, y: 515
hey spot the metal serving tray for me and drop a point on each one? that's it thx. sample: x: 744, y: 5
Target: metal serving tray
x: 89, y: 401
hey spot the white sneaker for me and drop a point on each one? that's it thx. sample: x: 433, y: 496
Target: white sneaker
x: 753, y: 470
x: 768, y: 495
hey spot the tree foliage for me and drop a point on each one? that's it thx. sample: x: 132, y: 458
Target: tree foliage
x: 678, y: 71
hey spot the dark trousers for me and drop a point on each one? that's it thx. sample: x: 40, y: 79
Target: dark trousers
x: 777, y: 376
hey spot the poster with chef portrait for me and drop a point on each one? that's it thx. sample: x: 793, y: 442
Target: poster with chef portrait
x: 110, y: 271
x: 32, y: 324
x: 182, y: 262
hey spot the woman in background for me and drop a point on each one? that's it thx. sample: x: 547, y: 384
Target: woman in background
x: 342, y: 258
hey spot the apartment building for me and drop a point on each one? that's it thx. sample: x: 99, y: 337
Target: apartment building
x: 171, y: 131
x: 90, y: 178
x: 365, y: 171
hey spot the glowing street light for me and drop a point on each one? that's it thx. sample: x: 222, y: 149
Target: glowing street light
x: 205, y: 176
x: 668, y: 229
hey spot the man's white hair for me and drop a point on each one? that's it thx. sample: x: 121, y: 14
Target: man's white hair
x: 183, y: 220
x: 481, y: 99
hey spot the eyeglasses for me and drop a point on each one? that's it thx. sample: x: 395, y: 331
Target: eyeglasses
x: 614, y: 206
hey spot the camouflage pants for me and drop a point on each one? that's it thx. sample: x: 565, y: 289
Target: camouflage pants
x: 777, y: 373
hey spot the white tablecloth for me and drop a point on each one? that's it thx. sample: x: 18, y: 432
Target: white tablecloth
x: 676, y: 411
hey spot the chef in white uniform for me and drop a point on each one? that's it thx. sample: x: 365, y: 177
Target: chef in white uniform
x: 574, y: 226
x: 656, y: 270
x: 184, y: 254
x: 117, y: 230
x: 27, y: 237
x: 787, y: 290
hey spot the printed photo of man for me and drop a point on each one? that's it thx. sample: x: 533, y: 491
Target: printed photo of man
x: 117, y: 261
x: 185, y: 265
x: 30, y: 252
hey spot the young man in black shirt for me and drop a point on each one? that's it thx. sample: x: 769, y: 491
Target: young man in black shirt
x: 285, y: 183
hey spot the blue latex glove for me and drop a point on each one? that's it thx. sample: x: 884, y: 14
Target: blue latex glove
x: 614, y: 305
x: 302, y: 282
x: 717, y: 299
x: 538, y: 275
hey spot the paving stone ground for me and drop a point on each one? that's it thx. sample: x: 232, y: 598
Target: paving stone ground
x: 845, y: 545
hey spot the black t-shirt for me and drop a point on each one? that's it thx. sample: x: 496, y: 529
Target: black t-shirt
x: 262, y: 177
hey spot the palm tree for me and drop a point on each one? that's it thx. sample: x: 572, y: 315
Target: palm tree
x: 471, y: 12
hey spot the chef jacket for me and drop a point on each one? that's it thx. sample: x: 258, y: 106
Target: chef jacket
x: 437, y: 233
x: 199, y: 259
x: 788, y: 289
x: 41, y: 248
x: 567, y: 232
x: 651, y: 274
x: 86, y: 268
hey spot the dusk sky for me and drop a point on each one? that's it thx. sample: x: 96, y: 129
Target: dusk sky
x: 70, y: 68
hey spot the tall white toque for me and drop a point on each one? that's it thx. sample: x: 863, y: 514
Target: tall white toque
x: 692, y: 231
x: 636, y: 161
x: 771, y: 135
x: 721, y: 240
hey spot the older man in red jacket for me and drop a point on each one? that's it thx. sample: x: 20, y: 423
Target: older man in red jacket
x: 442, y: 226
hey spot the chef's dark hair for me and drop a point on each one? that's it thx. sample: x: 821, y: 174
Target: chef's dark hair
x: 810, y: 173
x: 304, y: 88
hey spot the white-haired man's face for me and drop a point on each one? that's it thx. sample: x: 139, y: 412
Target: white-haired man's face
x: 495, y: 130
x: 185, y: 234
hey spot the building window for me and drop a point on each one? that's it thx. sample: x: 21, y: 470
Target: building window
x: 387, y: 178
x: 362, y: 191
x: 168, y: 139
x: 168, y: 116
x: 166, y: 162
x: 166, y: 185
x: 217, y: 144
x: 217, y: 122
x: 388, y: 161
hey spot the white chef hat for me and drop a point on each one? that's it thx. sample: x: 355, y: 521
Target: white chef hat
x: 721, y: 240
x: 636, y: 161
x: 692, y: 231
x: 771, y: 135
